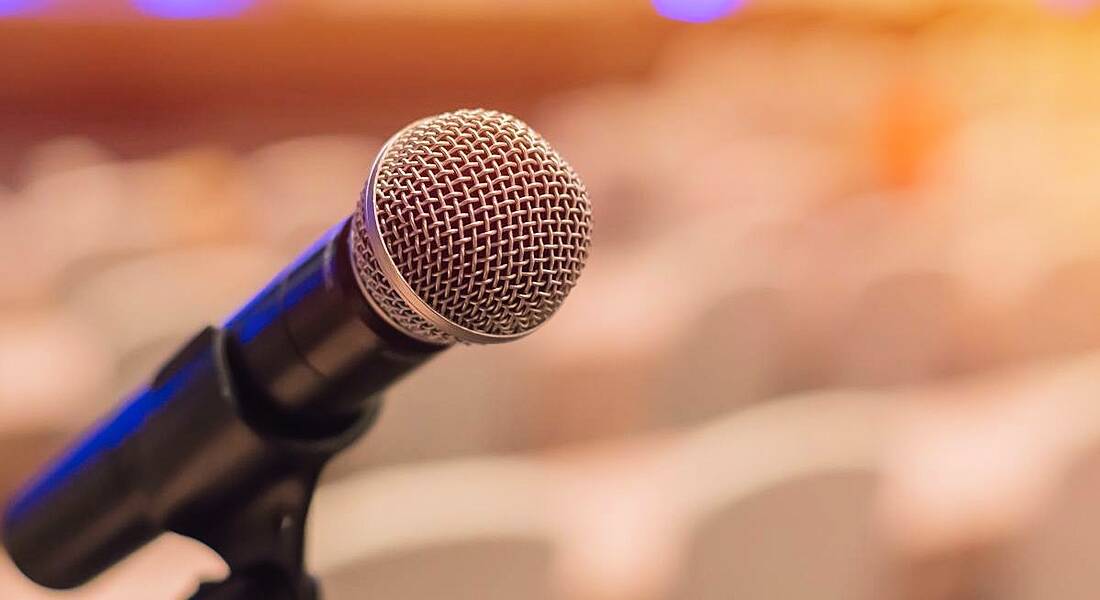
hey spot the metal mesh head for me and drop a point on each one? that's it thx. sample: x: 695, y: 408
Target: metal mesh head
x: 471, y: 228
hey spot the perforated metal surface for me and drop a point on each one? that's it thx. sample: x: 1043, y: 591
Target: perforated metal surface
x: 487, y: 226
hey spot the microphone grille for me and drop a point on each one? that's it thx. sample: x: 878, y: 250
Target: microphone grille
x: 471, y: 228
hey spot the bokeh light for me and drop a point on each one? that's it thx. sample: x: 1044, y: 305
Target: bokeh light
x: 1071, y: 7
x: 18, y: 7
x: 193, y: 9
x: 696, y: 11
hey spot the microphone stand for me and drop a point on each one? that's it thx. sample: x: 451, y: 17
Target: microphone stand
x: 271, y: 536
x: 262, y: 538
x: 263, y: 543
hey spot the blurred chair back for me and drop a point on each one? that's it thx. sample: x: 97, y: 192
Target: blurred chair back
x: 1059, y: 317
x: 808, y: 538
x: 1057, y: 558
x: 735, y: 353
x: 484, y: 569
x: 905, y: 328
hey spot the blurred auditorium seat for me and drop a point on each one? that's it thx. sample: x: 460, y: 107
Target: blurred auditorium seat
x: 1055, y: 557
x: 812, y: 537
x: 463, y: 528
x: 905, y: 328
x: 303, y: 186
x: 1058, y: 317
x: 466, y: 401
x: 61, y: 154
x: 489, y: 569
x: 971, y: 477
x: 80, y: 213
x: 141, y: 309
x: 740, y: 350
x: 54, y: 222
x: 50, y: 363
x: 454, y: 520
x: 189, y: 197
x: 780, y: 499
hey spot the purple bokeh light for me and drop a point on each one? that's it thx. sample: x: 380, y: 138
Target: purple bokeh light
x: 193, y: 9
x: 696, y: 11
x: 10, y: 8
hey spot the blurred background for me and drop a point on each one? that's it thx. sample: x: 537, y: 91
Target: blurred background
x: 837, y: 338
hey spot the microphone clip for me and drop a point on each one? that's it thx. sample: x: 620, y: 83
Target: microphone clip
x: 261, y: 536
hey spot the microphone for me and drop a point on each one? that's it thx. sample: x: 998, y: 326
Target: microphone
x: 470, y: 229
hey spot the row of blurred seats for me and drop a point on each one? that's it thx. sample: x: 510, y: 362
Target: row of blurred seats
x: 825, y: 495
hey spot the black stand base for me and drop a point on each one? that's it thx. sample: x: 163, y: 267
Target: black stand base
x: 240, y: 586
x: 263, y: 545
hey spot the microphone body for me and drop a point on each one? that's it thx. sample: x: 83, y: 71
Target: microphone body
x: 312, y: 344
x: 290, y: 379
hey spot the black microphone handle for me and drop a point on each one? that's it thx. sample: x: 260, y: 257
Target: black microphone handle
x: 242, y: 416
x: 313, y: 345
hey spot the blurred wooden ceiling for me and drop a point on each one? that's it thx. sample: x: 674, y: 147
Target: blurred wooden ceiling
x: 286, y: 68
x: 138, y: 85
